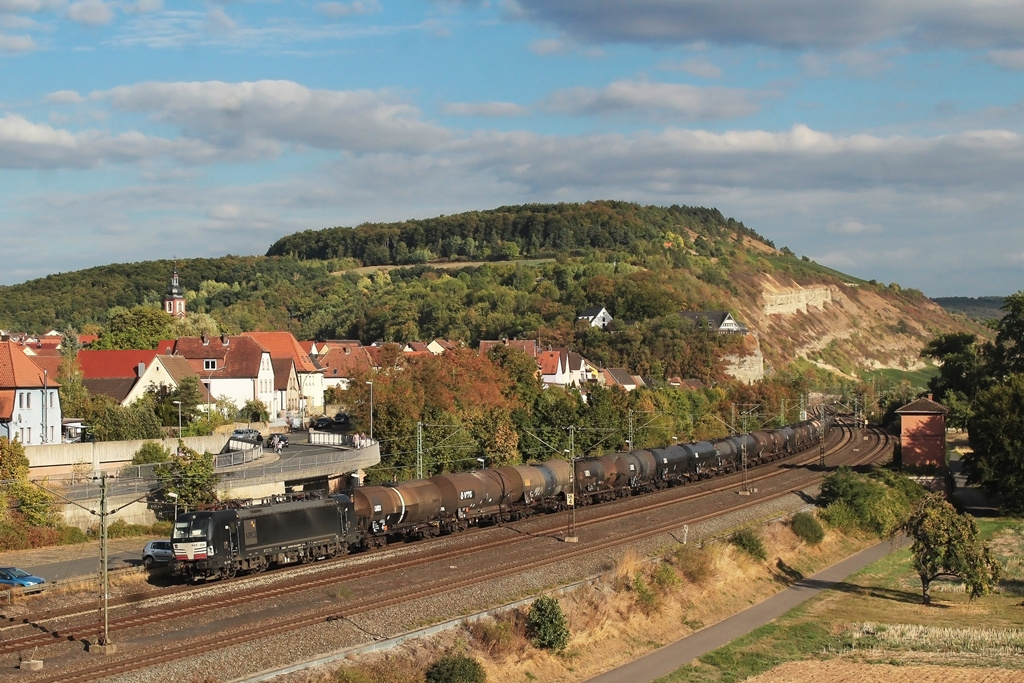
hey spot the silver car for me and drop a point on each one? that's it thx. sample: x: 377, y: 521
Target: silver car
x: 157, y: 552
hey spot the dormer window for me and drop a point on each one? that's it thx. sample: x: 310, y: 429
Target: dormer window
x: 210, y: 364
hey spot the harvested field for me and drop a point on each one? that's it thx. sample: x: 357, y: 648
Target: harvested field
x: 839, y: 671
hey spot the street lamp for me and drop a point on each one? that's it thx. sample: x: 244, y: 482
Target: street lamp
x: 173, y: 495
x: 371, y: 411
x: 178, y: 403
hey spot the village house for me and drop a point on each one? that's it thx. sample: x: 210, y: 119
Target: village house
x: 30, y: 409
x: 234, y: 368
x: 595, y: 316
x: 309, y: 395
x: 126, y: 375
x: 721, y: 322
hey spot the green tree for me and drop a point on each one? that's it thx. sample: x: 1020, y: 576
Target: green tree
x: 946, y: 543
x: 546, y: 626
x: 113, y: 422
x: 74, y: 397
x: 141, y: 327
x: 190, y: 475
x: 150, y: 452
x: 35, y: 505
x: 996, y: 460
x: 1007, y: 354
x: 960, y: 364
x: 254, y: 410
x: 187, y: 393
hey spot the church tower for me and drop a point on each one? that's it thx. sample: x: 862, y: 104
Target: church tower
x: 174, y: 298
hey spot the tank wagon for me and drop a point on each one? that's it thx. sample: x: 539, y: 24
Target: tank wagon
x: 221, y: 543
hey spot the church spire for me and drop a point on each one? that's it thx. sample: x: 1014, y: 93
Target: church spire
x: 174, y: 298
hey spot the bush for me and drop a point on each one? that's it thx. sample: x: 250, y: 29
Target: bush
x: 498, y: 638
x: 840, y: 515
x: 645, y: 597
x: 150, y: 452
x: 748, y: 541
x: 806, y: 526
x: 454, y: 668
x: 122, y: 529
x: 877, y: 503
x: 665, y: 577
x: 70, y: 535
x: 694, y: 563
x: 546, y: 626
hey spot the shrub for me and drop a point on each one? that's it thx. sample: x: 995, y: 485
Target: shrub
x: 694, y: 563
x: 840, y: 515
x: 665, y: 577
x: 122, y: 529
x: 546, y: 626
x: 497, y: 638
x: 70, y: 535
x: 645, y: 597
x: 748, y: 541
x: 878, y: 503
x: 806, y: 526
x: 149, y: 452
x: 454, y: 668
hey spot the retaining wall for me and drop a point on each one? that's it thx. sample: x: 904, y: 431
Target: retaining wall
x: 65, y: 458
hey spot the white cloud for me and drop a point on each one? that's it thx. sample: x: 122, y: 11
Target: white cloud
x: 348, y: 9
x: 854, y: 227
x: 90, y: 12
x: 701, y: 68
x: 489, y: 109
x: 16, y: 44
x: 236, y: 116
x: 1008, y: 59
x: 549, y: 46
x: 657, y: 100
x: 65, y: 97
x: 225, y: 212
x: 142, y: 7
x: 218, y: 21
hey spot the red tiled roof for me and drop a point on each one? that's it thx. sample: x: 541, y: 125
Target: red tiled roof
x: 284, y: 345
x: 51, y: 364
x: 346, y: 361
x: 417, y: 346
x: 17, y: 371
x: 923, y: 406
x: 113, y: 363
x: 7, y: 404
x: 165, y: 347
x: 237, y: 357
x: 86, y: 339
x: 549, y: 362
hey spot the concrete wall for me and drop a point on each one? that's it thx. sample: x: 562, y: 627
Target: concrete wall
x: 62, y: 459
x: 132, y: 512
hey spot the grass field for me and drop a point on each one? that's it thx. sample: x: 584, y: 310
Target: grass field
x: 917, y: 378
x: 876, y: 616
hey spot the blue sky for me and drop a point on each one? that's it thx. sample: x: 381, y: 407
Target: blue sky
x: 883, y: 139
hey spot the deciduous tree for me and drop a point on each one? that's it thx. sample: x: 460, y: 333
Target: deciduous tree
x: 946, y: 543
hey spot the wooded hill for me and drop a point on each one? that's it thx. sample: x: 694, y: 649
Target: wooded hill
x: 525, y: 271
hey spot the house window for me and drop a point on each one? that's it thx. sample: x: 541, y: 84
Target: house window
x: 52, y: 393
x: 28, y: 400
x: 210, y: 364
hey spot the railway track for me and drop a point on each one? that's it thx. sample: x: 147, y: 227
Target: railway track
x: 355, y: 607
x: 84, y: 631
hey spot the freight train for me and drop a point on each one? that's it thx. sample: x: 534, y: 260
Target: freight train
x: 220, y: 543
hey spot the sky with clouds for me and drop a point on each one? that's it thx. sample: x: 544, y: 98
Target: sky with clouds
x: 881, y: 138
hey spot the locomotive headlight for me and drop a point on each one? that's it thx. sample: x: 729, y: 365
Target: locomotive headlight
x: 209, y: 550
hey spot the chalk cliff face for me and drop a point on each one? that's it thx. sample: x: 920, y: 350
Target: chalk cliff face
x: 837, y: 325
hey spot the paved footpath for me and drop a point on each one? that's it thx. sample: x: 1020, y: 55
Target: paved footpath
x: 669, y: 658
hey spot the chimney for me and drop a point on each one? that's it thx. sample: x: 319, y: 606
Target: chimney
x: 224, y: 340
x: 141, y: 369
x: 205, y: 340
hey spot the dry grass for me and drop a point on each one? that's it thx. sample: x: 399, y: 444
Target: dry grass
x: 608, y: 627
x: 1000, y: 642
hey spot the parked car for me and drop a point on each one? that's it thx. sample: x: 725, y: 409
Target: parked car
x: 341, y: 420
x: 12, y: 576
x: 322, y: 422
x: 252, y: 435
x: 157, y: 552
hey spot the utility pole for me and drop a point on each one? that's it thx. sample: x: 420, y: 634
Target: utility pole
x: 570, y: 498
x: 419, y: 450
x: 824, y: 433
x: 104, y: 640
